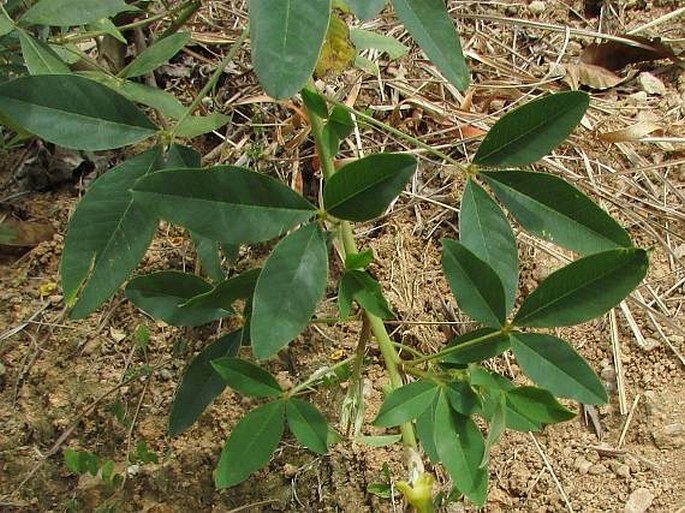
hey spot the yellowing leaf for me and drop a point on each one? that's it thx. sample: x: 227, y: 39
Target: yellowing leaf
x: 338, y: 52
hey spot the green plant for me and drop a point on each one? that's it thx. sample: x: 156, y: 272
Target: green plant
x: 434, y: 397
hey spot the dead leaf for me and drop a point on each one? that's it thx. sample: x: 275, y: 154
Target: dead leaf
x: 338, y: 52
x: 16, y: 235
x: 595, y: 77
x: 614, y: 55
x: 631, y: 133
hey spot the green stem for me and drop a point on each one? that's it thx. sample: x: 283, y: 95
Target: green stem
x: 318, y: 376
x: 189, y: 9
x: 212, y: 81
x: 70, y: 38
x: 398, y: 133
x: 457, y: 348
x: 390, y: 356
x: 391, y: 360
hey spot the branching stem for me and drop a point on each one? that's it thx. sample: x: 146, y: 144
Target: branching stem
x: 390, y: 356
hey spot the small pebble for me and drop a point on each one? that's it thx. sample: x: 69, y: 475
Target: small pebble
x: 639, y: 501
x: 537, y: 7
x: 597, y: 469
x: 651, y: 84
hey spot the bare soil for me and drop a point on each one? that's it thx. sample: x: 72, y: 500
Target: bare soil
x: 86, y: 384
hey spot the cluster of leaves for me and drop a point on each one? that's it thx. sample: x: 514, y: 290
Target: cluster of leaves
x: 227, y: 206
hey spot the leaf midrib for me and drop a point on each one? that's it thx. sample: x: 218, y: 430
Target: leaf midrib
x: 573, y: 291
x: 515, y: 140
x: 75, y: 116
x: 557, y: 213
x: 549, y: 362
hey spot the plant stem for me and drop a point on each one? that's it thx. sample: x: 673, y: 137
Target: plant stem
x: 317, y: 376
x: 390, y: 356
x: 457, y: 348
x: 70, y: 38
x: 188, y: 10
x: 398, y: 133
x: 235, y: 48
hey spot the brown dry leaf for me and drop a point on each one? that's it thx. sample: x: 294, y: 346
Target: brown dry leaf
x: 23, y: 234
x: 595, y: 77
x: 614, y: 55
x: 631, y: 133
x: 470, y: 131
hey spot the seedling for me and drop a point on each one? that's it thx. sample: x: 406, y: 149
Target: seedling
x: 434, y: 398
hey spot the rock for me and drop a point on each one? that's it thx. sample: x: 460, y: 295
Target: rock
x: 651, y: 84
x: 679, y: 252
x: 537, y: 7
x: 639, y: 501
x: 597, y: 469
x: 582, y: 465
x: 650, y: 344
x: 670, y: 436
x: 620, y: 469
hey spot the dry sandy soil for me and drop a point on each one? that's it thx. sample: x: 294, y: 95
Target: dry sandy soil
x: 86, y: 385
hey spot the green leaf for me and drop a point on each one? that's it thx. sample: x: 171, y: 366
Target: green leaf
x: 474, y: 283
x: 161, y: 295
x: 286, y: 38
x: 73, y: 112
x: 362, y: 288
x: 7, y: 234
x: 378, y: 441
x: 484, y: 229
x: 251, y: 444
x: 288, y: 290
x: 195, y: 126
x: 228, y: 204
x: 366, y: 9
x: 40, y: 59
x: 460, y: 447
x: 107, y: 237
x: 315, y: 102
x: 166, y: 103
x: 530, y: 132
x: 227, y: 292
x: 156, y: 55
x: 107, y: 26
x: 81, y: 462
x: 584, y: 289
x: 555, y: 366
x: 308, y: 425
x: 178, y: 156
x: 6, y: 23
x: 462, y: 398
x: 63, y: 13
x: 358, y: 261
x: 425, y: 427
x: 406, y: 403
x: 537, y: 406
x: 489, y: 348
x: 340, y: 123
x: 209, y: 255
x: 554, y: 210
x: 200, y: 384
x: 431, y: 26
x: 365, y: 39
x: 362, y: 190
x: 496, y: 427
x: 246, y: 377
